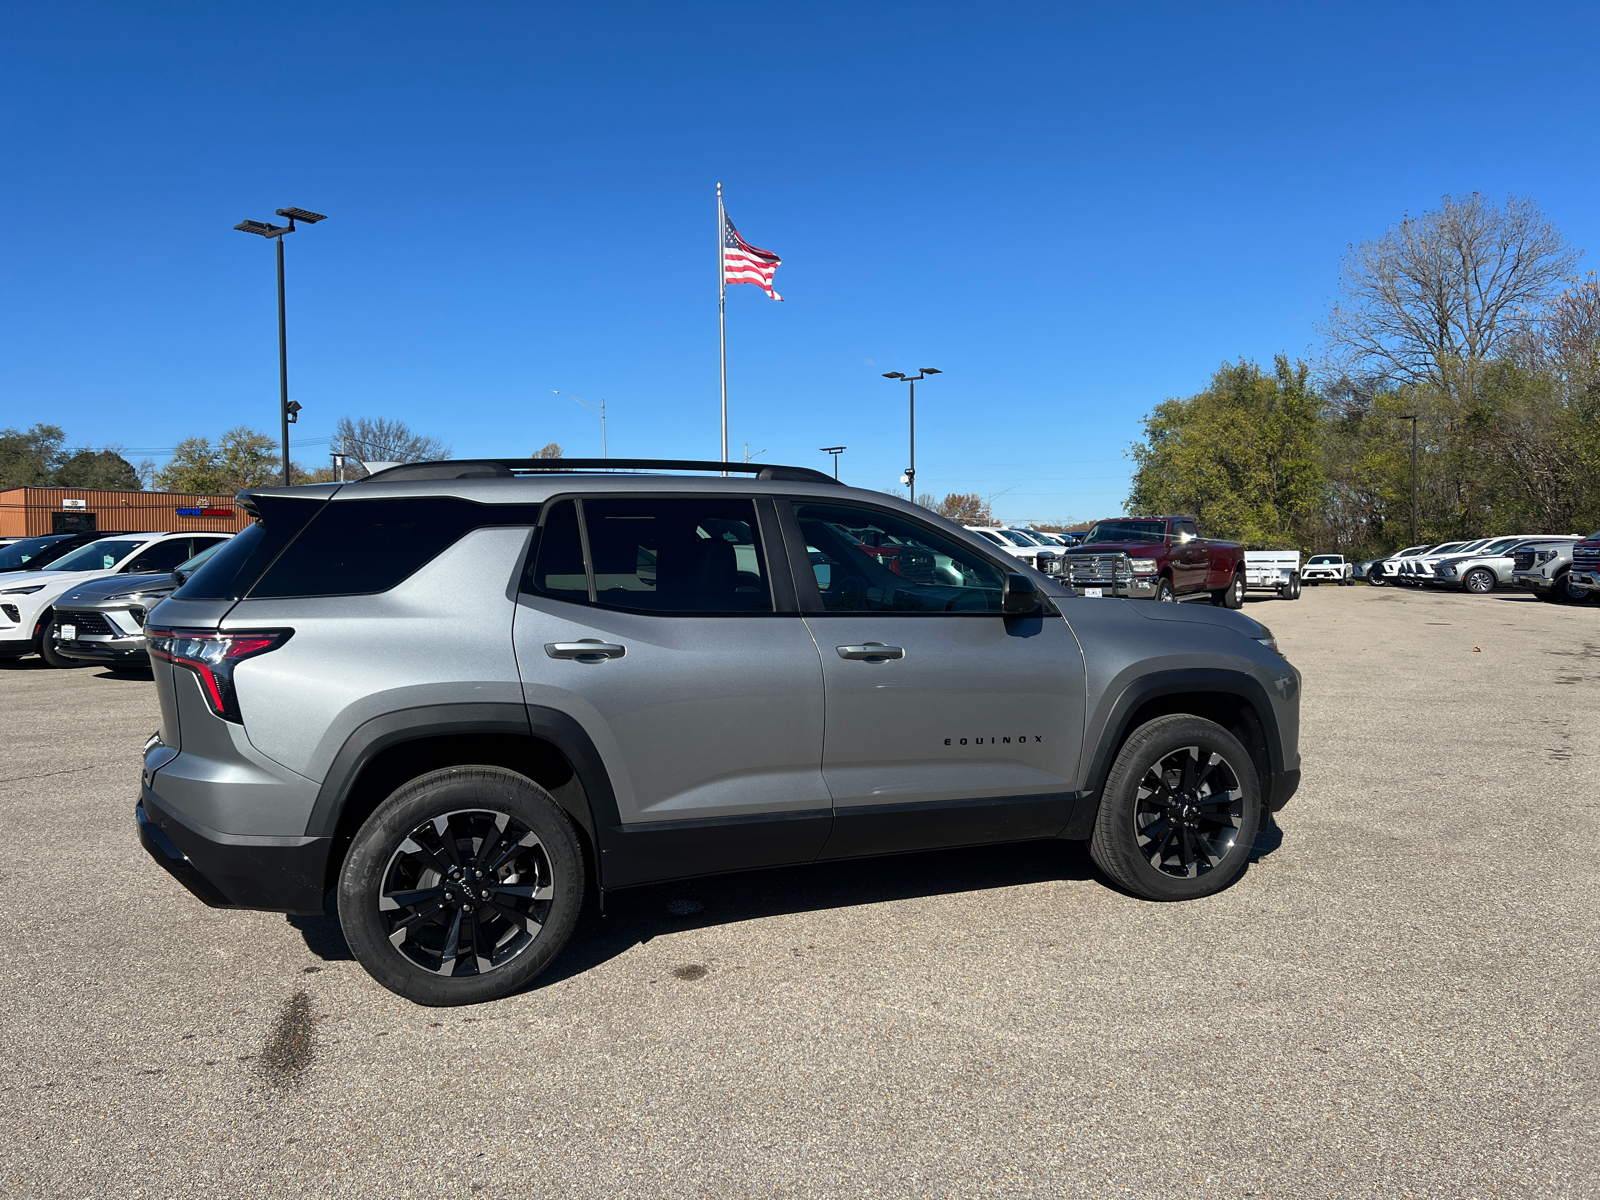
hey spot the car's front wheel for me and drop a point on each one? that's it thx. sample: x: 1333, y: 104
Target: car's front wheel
x: 1179, y: 811
x: 48, y: 651
x: 1479, y: 581
x: 1164, y: 592
x: 462, y: 886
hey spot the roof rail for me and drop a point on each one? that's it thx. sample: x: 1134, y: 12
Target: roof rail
x: 506, y: 468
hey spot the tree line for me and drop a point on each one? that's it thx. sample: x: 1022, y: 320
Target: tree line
x: 1469, y: 318
x: 241, y: 458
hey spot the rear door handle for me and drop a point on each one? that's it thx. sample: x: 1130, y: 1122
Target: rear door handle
x: 871, y: 652
x: 587, y: 650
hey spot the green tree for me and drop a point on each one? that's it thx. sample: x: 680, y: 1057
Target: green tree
x: 242, y: 459
x: 30, y: 459
x: 1243, y: 456
x: 104, y: 469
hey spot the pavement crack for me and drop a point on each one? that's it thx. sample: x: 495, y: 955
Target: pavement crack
x: 48, y: 774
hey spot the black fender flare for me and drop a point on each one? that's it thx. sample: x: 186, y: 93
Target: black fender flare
x: 595, y: 810
x: 1276, y: 787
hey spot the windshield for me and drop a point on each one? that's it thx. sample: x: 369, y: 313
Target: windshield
x: 1500, y: 546
x: 96, y: 556
x: 1322, y: 558
x: 1012, y: 536
x: 1126, y: 531
x: 17, y: 555
x: 189, y: 564
x: 987, y: 535
x: 1447, y: 547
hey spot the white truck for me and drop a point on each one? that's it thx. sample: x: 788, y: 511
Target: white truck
x: 1328, y: 568
x: 1278, y: 570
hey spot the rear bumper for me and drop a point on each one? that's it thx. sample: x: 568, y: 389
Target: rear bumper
x: 274, y: 874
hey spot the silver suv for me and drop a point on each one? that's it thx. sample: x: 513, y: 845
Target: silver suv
x: 456, y: 695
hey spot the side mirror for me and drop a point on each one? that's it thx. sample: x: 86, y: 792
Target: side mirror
x: 180, y: 577
x: 1019, y: 597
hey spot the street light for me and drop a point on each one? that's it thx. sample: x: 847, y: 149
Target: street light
x: 835, y: 451
x: 910, y: 477
x: 288, y: 410
x: 1412, y: 417
x: 594, y: 408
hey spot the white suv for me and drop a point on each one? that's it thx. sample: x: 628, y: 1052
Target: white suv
x: 1326, y: 568
x: 1482, y: 570
x: 1021, y: 543
x: 1416, y: 569
x: 27, y: 597
x: 1383, y: 570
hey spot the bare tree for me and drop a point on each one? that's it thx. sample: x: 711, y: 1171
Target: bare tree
x: 378, y: 439
x: 1443, y: 290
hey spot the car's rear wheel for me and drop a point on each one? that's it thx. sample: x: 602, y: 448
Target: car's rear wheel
x: 1292, y: 592
x: 461, y: 886
x: 1479, y: 581
x: 1232, y: 596
x: 1179, y: 811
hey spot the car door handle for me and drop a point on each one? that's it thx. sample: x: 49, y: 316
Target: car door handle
x: 871, y: 652
x: 587, y: 650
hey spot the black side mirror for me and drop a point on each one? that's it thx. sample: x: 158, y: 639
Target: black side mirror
x: 180, y: 577
x: 1019, y: 597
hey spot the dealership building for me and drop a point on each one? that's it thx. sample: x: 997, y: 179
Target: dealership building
x: 34, y: 511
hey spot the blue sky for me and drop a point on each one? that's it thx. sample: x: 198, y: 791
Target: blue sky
x: 1073, y: 211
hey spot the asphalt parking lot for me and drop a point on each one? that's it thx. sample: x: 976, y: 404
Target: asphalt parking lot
x: 1397, y: 999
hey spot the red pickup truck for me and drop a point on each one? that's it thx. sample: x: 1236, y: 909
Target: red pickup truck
x: 1156, y: 558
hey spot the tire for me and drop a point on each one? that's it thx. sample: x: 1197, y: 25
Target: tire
x: 1164, y: 592
x: 1233, y: 594
x: 1480, y: 581
x: 1565, y: 595
x: 48, y: 652
x: 1293, y: 590
x: 1175, y: 760
x: 479, y: 806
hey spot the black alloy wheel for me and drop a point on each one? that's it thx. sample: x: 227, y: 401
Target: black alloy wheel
x: 462, y: 886
x: 1164, y: 592
x: 1480, y: 581
x: 1179, y: 811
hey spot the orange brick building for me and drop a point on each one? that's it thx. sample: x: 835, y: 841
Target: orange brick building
x: 33, y: 511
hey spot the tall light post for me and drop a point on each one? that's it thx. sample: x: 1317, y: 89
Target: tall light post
x: 1412, y: 417
x: 594, y: 408
x: 288, y: 411
x: 835, y: 451
x: 910, y: 477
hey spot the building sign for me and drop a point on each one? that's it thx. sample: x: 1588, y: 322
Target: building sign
x: 205, y: 512
x: 74, y: 503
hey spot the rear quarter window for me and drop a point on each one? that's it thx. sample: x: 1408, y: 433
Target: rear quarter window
x: 358, y: 547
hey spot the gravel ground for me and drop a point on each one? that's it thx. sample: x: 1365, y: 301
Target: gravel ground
x: 1397, y: 999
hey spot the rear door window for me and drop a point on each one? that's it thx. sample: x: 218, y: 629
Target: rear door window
x: 681, y: 555
x: 162, y: 556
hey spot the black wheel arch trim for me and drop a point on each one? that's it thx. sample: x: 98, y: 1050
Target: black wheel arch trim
x: 1276, y: 788
x: 595, y: 811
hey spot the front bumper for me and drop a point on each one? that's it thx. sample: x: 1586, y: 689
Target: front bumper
x: 17, y: 647
x: 1532, y: 581
x: 1282, y: 788
x: 130, y: 649
x: 1583, y: 581
x: 274, y: 874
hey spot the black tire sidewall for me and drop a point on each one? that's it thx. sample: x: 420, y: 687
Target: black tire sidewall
x: 47, y: 650
x: 448, y: 790
x: 1114, y: 847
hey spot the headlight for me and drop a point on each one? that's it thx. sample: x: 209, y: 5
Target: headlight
x: 1144, y: 566
x: 1268, y: 639
x: 27, y: 591
x: 1544, y: 556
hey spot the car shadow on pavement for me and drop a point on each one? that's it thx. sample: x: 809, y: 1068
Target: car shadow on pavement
x: 634, y: 916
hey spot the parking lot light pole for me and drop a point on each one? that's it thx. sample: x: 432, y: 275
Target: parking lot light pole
x: 288, y: 411
x: 594, y: 408
x: 835, y: 451
x: 910, y: 477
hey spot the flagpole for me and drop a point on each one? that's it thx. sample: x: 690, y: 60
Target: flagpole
x: 722, y: 318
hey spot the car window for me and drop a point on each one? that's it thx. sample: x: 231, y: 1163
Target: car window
x: 867, y: 560
x: 96, y: 556
x: 162, y: 556
x: 692, y: 555
x: 1014, y: 538
x: 1185, y: 529
x: 1125, y: 531
x: 1322, y: 558
x: 989, y: 536
x: 359, y: 547
x: 1500, y: 546
x: 19, y: 554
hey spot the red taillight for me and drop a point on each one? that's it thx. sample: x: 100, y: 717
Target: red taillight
x: 212, y: 656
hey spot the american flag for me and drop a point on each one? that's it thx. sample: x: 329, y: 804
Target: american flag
x: 743, y: 263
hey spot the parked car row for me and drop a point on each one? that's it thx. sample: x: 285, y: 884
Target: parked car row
x: 1561, y: 568
x: 82, y: 598
x: 1041, y: 551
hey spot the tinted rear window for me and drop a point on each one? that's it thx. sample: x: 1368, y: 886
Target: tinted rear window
x: 228, y: 574
x: 357, y: 547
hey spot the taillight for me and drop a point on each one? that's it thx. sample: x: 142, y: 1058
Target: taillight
x: 212, y: 657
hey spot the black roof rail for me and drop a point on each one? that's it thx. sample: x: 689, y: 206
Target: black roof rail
x: 506, y: 468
